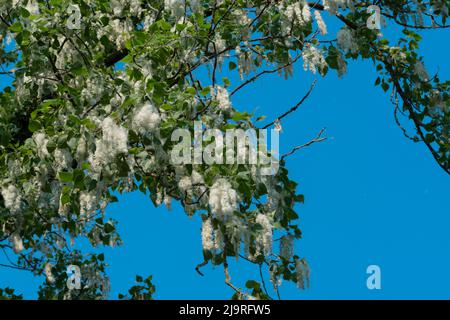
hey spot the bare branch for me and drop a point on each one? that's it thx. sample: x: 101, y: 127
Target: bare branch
x: 421, y: 27
x: 116, y: 57
x: 14, y: 267
x: 4, y: 21
x: 199, y: 266
x: 262, y: 280
x: 294, y: 107
x: 318, y: 138
x: 228, y: 278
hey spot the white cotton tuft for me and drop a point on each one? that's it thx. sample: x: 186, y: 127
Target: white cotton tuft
x: 264, y: 238
x: 159, y: 199
x: 114, y: 135
x: 218, y: 46
x: 294, y: 14
x: 306, y: 13
x: 41, y: 143
x: 113, y: 142
x: 287, y: 247
x: 32, y: 7
x: 194, y: 182
x: 176, y: 7
x: 236, y: 232
x: 88, y: 203
x: 17, y: 242
x: 275, y: 278
x: 218, y: 240
x: 332, y: 6
x: 48, y: 273
x: 146, y: 119
x: 420, y: 70
x: 223, y: 97
x: 63, y: 159
x: 81, y: 149
x: 320, y: 23
x: 346, y: 41
x: 207, y: 235
x: 342, y: 65
x: 197, y: 178
x: 11, y: 198
x: 185, y: 183
x: 313, y: 59
x: 302, y: 273
x: 168, y: 202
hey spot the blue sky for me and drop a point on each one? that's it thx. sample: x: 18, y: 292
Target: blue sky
x: 372, y: 197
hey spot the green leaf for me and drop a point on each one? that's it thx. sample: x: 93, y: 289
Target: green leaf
x: 226, y: 82
x: 205, y: 91
x: 109, y: 227
x: 239, y: 116
x: 191, y: 90
x: 252, y: 284
x: 65, y: 198
x: 300, y: 198
x: 16, y: 27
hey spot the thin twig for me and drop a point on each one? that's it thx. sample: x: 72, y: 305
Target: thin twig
x: 263, y: 73
x: 199, y: 266
x: 319, y: 138
x: 294, y: 107
x: 262, y: 281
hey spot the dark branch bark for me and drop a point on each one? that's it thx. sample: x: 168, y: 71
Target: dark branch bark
x: 116, y: 57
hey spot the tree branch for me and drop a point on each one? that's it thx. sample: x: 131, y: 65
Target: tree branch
x: 318, y: 138
x: 116, y: 56
x: 263, y: 73
x: 199, y: 266
x: 294, y: 107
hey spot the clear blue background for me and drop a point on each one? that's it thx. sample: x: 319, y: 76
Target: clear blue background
x: 372, y: 197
